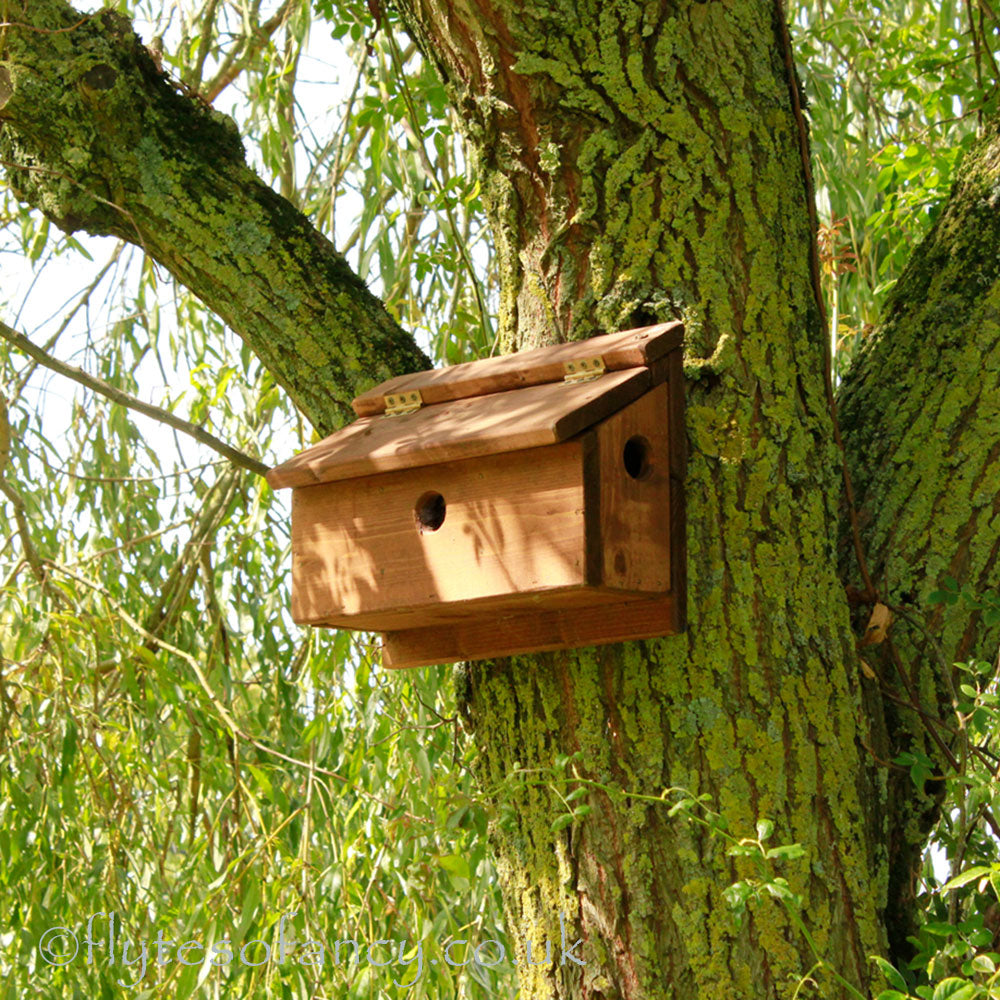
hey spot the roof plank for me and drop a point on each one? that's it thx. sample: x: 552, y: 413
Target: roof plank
x: 628, y: 349
x: 465, y: 428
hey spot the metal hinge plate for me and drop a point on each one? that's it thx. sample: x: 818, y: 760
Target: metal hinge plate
x: 583, y: 369
x: 399, y: 403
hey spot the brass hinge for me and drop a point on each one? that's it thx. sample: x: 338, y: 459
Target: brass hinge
x: 402, y: 402
x: 583, y: 369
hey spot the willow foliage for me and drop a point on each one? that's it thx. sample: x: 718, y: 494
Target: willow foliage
x: 173, y: 750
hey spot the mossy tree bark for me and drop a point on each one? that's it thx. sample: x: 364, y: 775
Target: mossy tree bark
x: 641, y: 162
x: 93, y: 134
x: 920, y: 410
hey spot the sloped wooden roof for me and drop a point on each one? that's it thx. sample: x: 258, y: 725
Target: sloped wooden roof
x: 629, y: 349
x: 486, y: 407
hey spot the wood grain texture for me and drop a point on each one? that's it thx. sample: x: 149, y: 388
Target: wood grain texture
x: 628, y: 349
x: 506, y: 634
x: 513, y: 524
x: 485, y: 425
x: 634, y: 523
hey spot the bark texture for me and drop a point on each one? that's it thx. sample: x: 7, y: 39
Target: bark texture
x: 921, y: 420
x: 920, y: 410
x: 641, y: 162
x: 93, y: 134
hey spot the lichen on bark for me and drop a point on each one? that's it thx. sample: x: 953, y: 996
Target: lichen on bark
x: 641, y: 162
x: 94, y: 135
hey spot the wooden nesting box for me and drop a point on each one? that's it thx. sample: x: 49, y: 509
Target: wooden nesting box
x: 521, y: 503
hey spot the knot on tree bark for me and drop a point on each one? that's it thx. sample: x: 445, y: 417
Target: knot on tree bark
x: 83, y: 96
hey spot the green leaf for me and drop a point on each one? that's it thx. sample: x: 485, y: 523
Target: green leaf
x: 893, y: 977
x: 780, y: 889
x: 68, y: 750
x: 955, y: 989
x: 738, y: 894
x: 787, y: 852
x: 984, y: 964
x: 939, y: 929
x: 456, y: 864
x: 969, y: 875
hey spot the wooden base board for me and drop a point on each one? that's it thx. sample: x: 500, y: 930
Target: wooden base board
x: 533, y: 632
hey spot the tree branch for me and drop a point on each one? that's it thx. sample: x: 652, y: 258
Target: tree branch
x: 237, y: 457
x: 920, y: 411
x: 94, y: 135
x: 921, y: 408
x: 240, y: 55
x: 31, y: 555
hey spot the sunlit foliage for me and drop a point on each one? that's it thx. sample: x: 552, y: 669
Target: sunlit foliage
x: 173, y: 749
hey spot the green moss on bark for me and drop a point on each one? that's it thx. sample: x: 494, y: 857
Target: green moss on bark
x: 98, y: 139
x: 641, y: 162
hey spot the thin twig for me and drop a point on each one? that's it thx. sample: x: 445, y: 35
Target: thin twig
x: 237, y: 457
x: 977, y: 48
x: 240, y: 55
x: 931, y: 727
x: 65, y: 470
x: 411, y: 124
x: 125, y: 213
x: 82, y: 299
x: 31, y: 554
x: 44, y: 31
x: 205, y: 45
x: 130, y: 542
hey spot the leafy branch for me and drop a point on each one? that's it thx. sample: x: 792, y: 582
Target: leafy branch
x: 237, y: 457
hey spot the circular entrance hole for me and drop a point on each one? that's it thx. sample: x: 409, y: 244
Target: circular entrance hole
x: 635, y: 457
x: 429, y: 512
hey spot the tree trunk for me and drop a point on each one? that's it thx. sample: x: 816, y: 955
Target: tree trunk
x: 921, y: 419
x: 640, y: 163
x: 643, y: 162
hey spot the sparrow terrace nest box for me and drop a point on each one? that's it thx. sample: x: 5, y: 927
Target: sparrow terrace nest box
x: 514, y: 504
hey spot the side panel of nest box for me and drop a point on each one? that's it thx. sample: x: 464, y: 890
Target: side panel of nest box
x: 635, y: 509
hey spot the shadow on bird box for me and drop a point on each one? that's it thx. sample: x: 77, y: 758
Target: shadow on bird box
x: 514, y: 504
